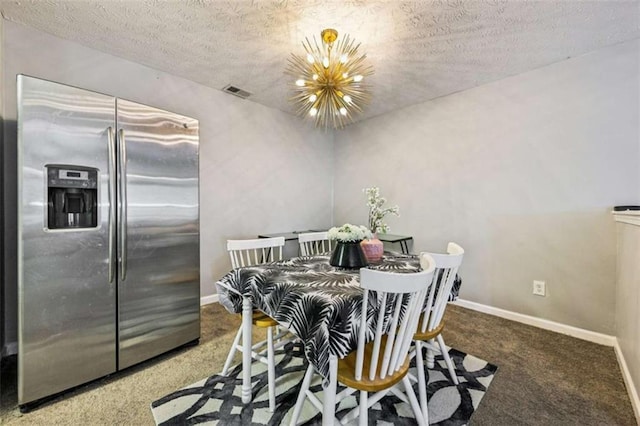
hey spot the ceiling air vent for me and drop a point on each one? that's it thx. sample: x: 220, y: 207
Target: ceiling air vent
x: 236, y: 91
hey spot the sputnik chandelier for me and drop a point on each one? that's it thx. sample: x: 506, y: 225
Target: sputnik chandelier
x: 330, y: 80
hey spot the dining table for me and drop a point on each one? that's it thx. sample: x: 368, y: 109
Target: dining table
x: 318, y: 303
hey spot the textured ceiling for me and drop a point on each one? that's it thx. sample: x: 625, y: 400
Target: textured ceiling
x: 420, y: 49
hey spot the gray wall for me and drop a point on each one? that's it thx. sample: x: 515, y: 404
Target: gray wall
x: 261, y: 170
x: 523, y: 173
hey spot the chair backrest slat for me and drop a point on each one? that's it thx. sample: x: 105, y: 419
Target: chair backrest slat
x: 312, y: 243
x: 361, y: 335
x: 416, y: 311
x: 443, y: 278
x: 446, y: 282
x: 400, y: 296
x: 255, y: 251
x: 391, y: 351
x: 378, y: 338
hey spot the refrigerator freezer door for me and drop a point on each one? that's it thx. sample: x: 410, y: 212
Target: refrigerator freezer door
x: 66, y: 304
x: 159, y: 275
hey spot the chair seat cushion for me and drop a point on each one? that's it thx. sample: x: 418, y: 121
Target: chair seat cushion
x: 347, y: 368
x: 429, y: 334
x: 260, y: 319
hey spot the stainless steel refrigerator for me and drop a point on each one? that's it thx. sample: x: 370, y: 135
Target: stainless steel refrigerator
x: 108, y: 235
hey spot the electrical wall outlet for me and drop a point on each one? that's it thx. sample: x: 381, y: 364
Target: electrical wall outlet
x: 539, y: 288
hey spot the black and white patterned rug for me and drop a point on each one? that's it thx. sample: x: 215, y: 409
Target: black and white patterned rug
x: 217, y: 400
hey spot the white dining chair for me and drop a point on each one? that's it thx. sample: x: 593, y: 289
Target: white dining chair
x: 254, y: 252
x: 249, y: 253
x: 429, y: 331
x: 379, y: 365
x: 312, y: 243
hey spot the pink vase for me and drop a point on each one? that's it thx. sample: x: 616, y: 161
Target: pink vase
x: 373, y: 249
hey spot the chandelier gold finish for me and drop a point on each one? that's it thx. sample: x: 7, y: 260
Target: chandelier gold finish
x: 330, y: 80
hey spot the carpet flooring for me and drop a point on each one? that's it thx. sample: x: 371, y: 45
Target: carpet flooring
x: 544, y: 378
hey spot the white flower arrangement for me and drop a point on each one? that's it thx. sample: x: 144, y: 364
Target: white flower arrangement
x: 349, y: 233
x: 376, y: 212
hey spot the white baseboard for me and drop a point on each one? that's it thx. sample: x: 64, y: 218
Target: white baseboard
x: 206, y: 300
x: 632, y: 390
x: 580, y: 333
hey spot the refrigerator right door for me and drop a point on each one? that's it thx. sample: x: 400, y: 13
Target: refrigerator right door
x: 158, y: 232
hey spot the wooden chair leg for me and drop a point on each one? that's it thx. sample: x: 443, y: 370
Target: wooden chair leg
x: 447, y: 359
x: 422, y: 382
x: 329, y: 387
x: 271, y: 370
x: 422, y: 419
x: 232, y: 352
x: 302, y: 395
x: 430, y: 355
x: 364, y: 409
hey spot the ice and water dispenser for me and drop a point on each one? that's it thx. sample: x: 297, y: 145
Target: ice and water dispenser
x: 72, y: 197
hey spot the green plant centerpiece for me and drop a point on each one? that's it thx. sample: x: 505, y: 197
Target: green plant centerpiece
x: 373, y: 247
x: 348, y: 252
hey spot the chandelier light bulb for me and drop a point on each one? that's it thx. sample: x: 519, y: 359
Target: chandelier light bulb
x: 327, y: 79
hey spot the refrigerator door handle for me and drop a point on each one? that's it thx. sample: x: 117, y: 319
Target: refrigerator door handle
x: 123, y: 204
x: 112, y: 203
